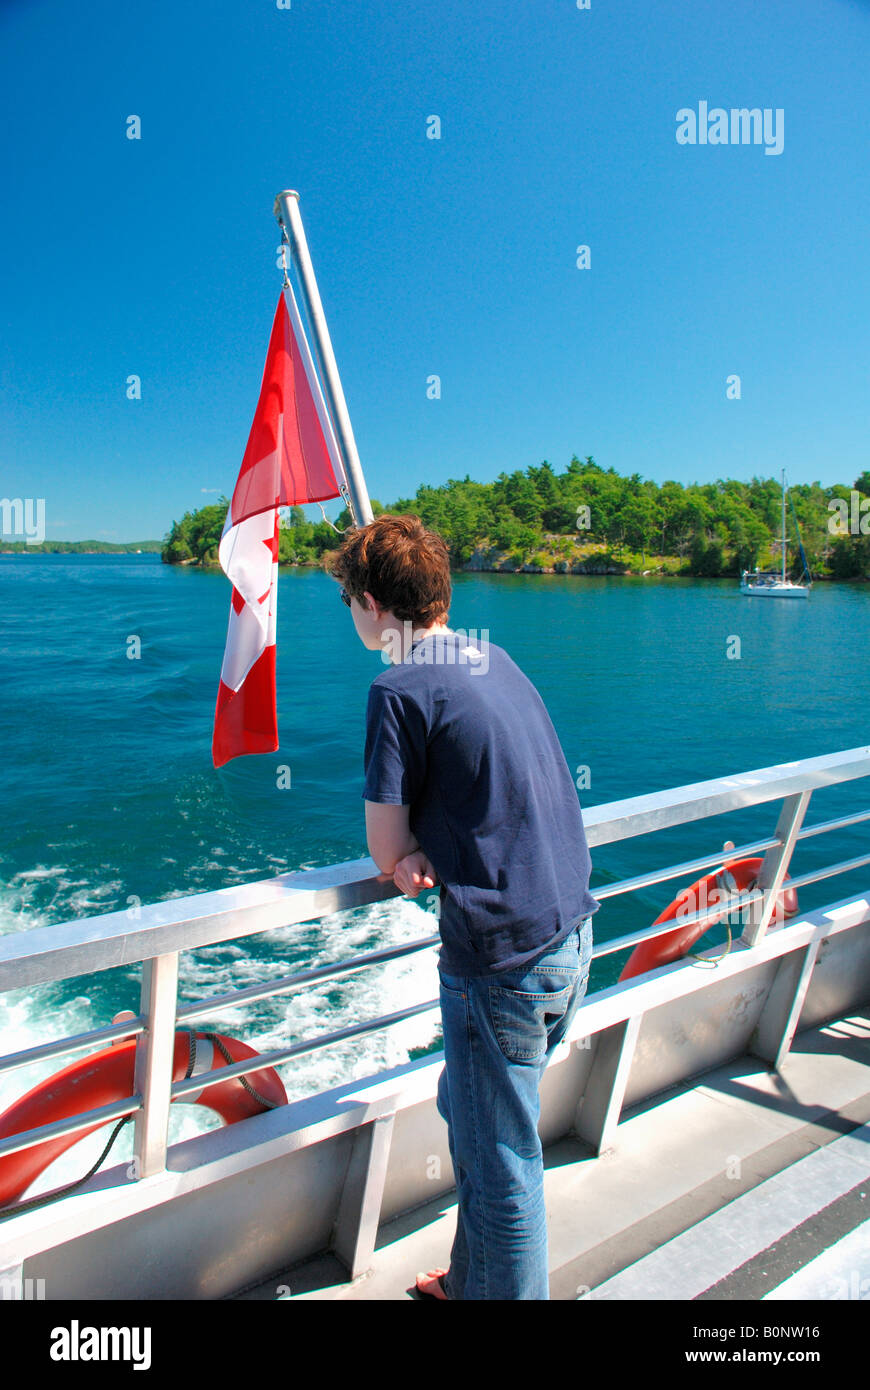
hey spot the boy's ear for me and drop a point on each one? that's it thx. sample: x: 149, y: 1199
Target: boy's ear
x: 372, y: 605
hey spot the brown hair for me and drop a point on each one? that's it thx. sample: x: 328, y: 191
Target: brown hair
x: 402, y: 565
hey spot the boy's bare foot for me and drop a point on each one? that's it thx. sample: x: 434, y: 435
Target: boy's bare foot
x: 431, y: 1284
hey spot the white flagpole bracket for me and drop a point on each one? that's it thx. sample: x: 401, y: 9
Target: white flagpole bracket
x: 287, y: 213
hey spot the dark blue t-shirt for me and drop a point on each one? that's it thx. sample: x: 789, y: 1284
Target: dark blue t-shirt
x: 467, y: 744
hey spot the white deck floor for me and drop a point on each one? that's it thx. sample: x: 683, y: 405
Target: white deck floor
x: 745, y: 1185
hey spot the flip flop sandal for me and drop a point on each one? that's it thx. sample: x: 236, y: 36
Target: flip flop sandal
x: 431, y: 1285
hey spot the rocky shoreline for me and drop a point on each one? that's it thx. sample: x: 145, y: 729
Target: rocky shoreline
x: 595, y: 561
x: 501, y: 562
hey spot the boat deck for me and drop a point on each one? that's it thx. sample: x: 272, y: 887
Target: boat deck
x: 705, y: 1125
x: 743, y: 1184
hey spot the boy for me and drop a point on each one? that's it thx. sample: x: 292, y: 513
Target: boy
x: 466, y: 783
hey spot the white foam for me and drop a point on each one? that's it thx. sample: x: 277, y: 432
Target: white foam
x: 332, y: 1004
x: 34, y: 1016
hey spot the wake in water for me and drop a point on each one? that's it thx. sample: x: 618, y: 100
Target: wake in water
x: 49, y: 1012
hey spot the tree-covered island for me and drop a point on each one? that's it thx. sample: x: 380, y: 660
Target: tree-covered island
x: 592, y: 520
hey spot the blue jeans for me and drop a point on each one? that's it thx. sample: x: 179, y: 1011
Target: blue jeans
x: 499, y: 1034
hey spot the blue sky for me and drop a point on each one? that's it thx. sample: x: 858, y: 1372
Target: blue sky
x: 454, y: 257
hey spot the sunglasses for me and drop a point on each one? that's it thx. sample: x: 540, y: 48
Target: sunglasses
x: 345, y: 597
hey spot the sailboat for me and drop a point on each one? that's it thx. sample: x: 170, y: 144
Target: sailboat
x: 772, y: 583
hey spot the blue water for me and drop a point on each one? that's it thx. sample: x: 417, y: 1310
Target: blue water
x: 109, y: 795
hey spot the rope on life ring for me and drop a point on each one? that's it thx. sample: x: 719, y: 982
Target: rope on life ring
x: 107, y: 1076
x: 716, y: 889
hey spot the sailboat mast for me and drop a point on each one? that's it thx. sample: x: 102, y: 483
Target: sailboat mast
x: 783, y: 526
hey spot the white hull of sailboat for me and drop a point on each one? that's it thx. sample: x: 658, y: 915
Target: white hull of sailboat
x: 775, y: 590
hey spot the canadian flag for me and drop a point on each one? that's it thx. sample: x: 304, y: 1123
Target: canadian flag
x: 291, y: 457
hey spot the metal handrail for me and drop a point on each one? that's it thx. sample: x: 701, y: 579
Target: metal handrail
x: 76, y: 1042
x: 220, y: 1002
x: 255, y: 993
x: 133, y: 935
x: 840, y: 823
x: 85, y: 1120
x: 283, y: 1054
x: 103, y: 942
x: 689, y: 866
x: 845, y: 866
x: 274, y: 1058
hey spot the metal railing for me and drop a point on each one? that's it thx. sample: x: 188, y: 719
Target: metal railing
x: 156, y: 934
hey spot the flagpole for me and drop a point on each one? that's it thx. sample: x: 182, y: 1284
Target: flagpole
x: 287, y: 213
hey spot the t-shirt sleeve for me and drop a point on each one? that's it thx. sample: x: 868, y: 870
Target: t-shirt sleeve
x: 395, y: 751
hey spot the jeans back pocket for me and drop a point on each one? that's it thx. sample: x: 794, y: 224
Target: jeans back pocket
x: 523, y: 1019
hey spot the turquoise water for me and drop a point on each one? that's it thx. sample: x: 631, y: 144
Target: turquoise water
x: 109, y: 794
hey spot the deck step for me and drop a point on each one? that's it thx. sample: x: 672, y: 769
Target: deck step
x: 757, y: 1243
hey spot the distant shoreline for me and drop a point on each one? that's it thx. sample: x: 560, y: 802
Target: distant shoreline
x: 562, y: 568
x: 81, y: 548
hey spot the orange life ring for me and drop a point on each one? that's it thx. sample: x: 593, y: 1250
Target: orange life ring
x: 107, y: 1076
x: 714, y: 889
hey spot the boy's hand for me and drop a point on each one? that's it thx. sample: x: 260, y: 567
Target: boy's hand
x: 413, y: 873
